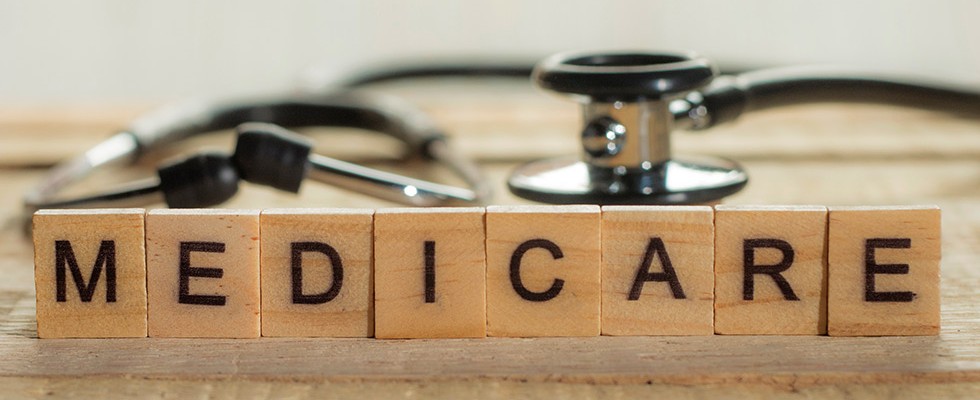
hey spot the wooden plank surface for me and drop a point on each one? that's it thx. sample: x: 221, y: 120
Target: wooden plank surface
x: 846, y: 155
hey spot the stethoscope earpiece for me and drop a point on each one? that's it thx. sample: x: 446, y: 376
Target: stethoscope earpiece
x: 201, y: 180
x: 627, y: 120
x: 265, y: 154
x: 270, y: 155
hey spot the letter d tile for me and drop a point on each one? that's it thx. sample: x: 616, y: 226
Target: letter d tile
x: 316, y: 273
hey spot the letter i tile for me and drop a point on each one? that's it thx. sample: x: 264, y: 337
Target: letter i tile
x: 430, y: 273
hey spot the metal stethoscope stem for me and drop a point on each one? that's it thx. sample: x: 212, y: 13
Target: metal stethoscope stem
x: 387, y: 186
x: 628, y: 116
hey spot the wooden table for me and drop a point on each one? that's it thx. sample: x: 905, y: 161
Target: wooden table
x: 826, y: 154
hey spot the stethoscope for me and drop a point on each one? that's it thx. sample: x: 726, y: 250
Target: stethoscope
x: 631, y: 102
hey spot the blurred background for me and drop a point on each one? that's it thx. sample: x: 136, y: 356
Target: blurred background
x: 111, y: 51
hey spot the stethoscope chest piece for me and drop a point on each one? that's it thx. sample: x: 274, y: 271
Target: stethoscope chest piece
x: 626, y: 156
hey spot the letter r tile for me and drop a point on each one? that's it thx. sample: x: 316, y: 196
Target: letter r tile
x: 770, y: 270
x: 543, y: 270
x: 203, y: 273
x: 90, y: 273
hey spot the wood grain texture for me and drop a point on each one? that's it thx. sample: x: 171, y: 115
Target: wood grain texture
x: 430, y: 273
x: 845, y: 154
x: 101, y: 256
x: 771, y: 270
x: 884, y: 268
x: 670, y: 251
x: 202, y: 273
x: 543, y: 271
x: 333, y: 251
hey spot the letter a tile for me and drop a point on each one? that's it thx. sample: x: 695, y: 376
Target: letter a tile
x: 202, y: 273
x: 658, y: 270
x: 90, y: 273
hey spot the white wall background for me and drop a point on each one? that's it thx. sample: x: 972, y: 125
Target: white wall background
x: 127, y: 50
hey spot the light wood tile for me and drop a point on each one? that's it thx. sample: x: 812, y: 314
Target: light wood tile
x: 430, y: 273
x: 770, y: 270
x: 543, y: 270
x: 202, y: 271
x: 90, y: 273
x: 884, y: 271
x: 317, y: 278
x: 657, y: 270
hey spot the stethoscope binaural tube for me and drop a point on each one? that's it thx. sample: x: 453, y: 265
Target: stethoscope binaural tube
x: 209, y: 179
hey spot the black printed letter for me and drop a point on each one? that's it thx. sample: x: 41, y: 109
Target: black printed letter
x: 187, y: 271
x: 296, y: 267
x: 750, y: 269
x: 64, y: 255
x: 515, y: 270
x: 643, y: 274
x: 430, y: 271
x: 871, y: 267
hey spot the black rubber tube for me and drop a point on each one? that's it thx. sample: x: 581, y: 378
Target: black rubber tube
x: 729, y: 97
x: 438, y: 71
x: 375, y: 113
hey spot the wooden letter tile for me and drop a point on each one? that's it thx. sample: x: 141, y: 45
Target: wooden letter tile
x: 770, y: 270
x: 543, y: 270
x: 884, y: 271
x: 202, y: 273
x: 657, y: 270
x: 430, y: 273
x: 90, y: 273
x: 316, y: 273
